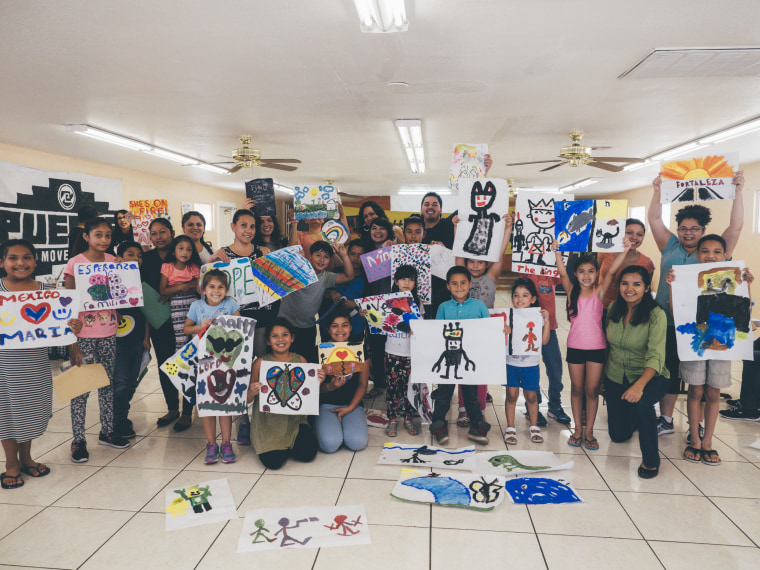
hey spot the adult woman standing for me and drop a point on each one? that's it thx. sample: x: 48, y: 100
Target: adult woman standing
x: 268, y: 233
x: 635, y: 232
x: 194, y: 227
x: 122, y: 230
x: 368, y: 211
x: 635, y: 375
x: 680, y: 249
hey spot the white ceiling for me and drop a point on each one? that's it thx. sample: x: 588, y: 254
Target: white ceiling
x: 192, y: 75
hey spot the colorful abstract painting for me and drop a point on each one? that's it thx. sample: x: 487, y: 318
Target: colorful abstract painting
x: 711, y: 310
x: 144, y: 212
x: 316, y: 202
x: 462, y: 459
x: 480, y: 231
x: 30, y: 319
x: 198, y: 504
x: 418, y: 256
x: 294, y: 528
x: 527, y: 327
x: 515, y: 462
x: 280, y: 273
x: 289, y: 388
x: 389, y: 314
x: 699, y: 179
x: 182, y: 367
x: 450, y: 489
x: 467, y: 161
x: 341, y: 358
x: 108, y: 285
x: 590, y: 225
x: 533, y: 233
x: 242, y: 286
x: 540, y: 491
x: 377, y: 263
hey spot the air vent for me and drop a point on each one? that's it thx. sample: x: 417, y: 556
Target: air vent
x: 697, y: 62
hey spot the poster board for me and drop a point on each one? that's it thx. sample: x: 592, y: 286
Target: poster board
x: 79, y: 380
x: 450, y: 489
x: 341, y: 358
x: 462, y: 459
x: 316, y: 202
x: 540, y: 491
x: 527, y: 328
x: 467, y: 161
x: 590, y: 225
x: 37, y: 318
x: 280, y: 273
x: 144, y: 212
x: 289, y: 388
x: 242, y: 285
x: 533, y: 233
x: 377, y: 263
x: 391, y: 313
x: 108, y: 285
x: 480, y: 231
x: 261, y: 191
x: 418, y: 256
x: 517, y: 462
x: 198, y: 504
x: 699, y: 179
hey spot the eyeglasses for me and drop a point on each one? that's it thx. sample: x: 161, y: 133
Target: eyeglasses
x: 692, y: 230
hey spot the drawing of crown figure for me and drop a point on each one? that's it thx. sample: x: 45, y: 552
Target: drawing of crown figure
x: 453, y: 332
x: 542, y: 204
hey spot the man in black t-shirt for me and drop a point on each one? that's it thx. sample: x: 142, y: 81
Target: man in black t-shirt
x: 438, y: 230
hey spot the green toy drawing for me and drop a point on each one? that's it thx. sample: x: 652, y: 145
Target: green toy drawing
x: 258, y: 535
x: 197, y: 496
x: 510, y: 463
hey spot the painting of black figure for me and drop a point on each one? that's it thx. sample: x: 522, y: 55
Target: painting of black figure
x: 483, y: 222
x: 453, y: 353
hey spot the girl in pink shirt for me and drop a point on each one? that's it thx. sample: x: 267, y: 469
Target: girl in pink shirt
x: 179, y: 281
x: 586, y: 343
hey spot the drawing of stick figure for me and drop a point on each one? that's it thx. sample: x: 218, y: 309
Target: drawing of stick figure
x: 518, y: 239
x: 343, y: 526
x: 538, y: 242
x: 453, y: 353
x: 531, y: 338
x: 287, y: 540
x: 481, y: 199
x: 259, y: 532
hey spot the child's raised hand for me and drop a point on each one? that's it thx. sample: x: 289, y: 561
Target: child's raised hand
x: 555, y: 245
x: 487, y: 162
x: 507, y: 219
x: 253, y: 390
x: 739, y: 180
x: 545, y: 315
x: 75, y: 325
x: 340, y: 249
x: 747, y: 276
x: 388, y: 243
x: 337, y: 381
x: 671, y: 276
x: 626, y: 244
x: 205, y: 323
x: 363, y: 312
x: 657, y: 184
x: 321, y: 375
x: 507, y: 329
x: 455, y: 221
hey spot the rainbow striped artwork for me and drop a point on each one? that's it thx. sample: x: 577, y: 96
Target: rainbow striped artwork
x: 282, y: 272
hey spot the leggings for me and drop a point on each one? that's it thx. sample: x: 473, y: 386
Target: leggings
x: 304, y: 449
x: 96, y: 351
x: 397, y: 370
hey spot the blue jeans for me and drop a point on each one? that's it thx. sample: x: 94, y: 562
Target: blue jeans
x: 128, y: 358
x: 552, y: 358
x: 332, y: 432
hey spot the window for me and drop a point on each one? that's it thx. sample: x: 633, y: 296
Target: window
x: 757, y: 212
x: 638, y: 212
x: 208, y: 213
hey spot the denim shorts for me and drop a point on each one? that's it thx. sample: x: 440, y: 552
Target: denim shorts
x: 525, y: 377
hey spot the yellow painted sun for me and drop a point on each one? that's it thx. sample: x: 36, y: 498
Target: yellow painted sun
x: 694, y: 168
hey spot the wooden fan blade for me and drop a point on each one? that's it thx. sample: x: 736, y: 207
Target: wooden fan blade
x: 598, y: 147
x: 618, y: 159
x: 534, y: 162
x: 235, y: 168
x: 279, y: 167
x: 605, y: 166
x: 292, y: 160
x: 551, y: 167
x: 227, y: 162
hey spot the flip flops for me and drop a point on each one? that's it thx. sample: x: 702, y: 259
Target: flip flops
x: 710, y: 457
x: 19, y: 481
x: 27, y: 470
x: 574, y: 441
x: 592, y: 444
x: 696, y: 454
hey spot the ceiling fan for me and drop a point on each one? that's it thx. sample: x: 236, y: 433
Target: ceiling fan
x: 577, y: 155
x: 247, y: 157
x: 513, y: 189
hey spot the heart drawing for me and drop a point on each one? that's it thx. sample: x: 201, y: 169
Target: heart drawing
x: 35, y: 314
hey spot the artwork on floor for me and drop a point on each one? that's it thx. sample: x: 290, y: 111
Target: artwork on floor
x: 144, y: 212
x: 467, y: 161
x: 289, y: 388
x: 441, y: 260
x: 280, y: 273
x: 517, y: 462
x: 711, y: 310
x: 198, y: 504
x: 155, y: 309
x: 182, y: 367
x: 377, y: 263
x: 389, y: 314
x: 590, y: 225
x: 304, y: 527
x: 261, y: 191
x: 242, y: 286
x: 79, y: 380
x: 427, y: 456
x: 480, y: 232
x: 108, y: 285
x: 418, y: 256
x: 224, y: 367
x: 30, y: 319
x: 316, y: 202
x: 533, y: 233
x: 527, y: 327
x: 341, y: 358
x: 376, y: 418
x: 420, y: 399
x: 457, y: 489
x: 458, y: 352
x: 540, y: 491
x: 335, y: 231
x: 699, y: 179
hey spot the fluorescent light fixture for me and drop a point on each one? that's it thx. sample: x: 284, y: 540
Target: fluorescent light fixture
x: 108, y: 136
x: 636, y: 165
x: 169, y: 155
x: 282, y: 188
x: 211, y: 168
x: 731, y: 132
x: 381, y: 16
x: 410, y: 131
x: 579, y: 184
x: 676, y: 151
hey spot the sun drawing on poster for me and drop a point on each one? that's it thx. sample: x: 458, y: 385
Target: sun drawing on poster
x: 708, y: 167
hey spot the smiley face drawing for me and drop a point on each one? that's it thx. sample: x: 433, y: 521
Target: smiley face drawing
x: 4, y: 319
x: 62, y: 314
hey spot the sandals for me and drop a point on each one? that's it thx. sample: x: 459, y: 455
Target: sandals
x: 592, y: 444
x: 27, y: 470
x: 411, y: 428
x: 463, y: 421
x: 696, y: 454
x: 19, y: 482
x: 392, y: 429
x: 575, y: 441
x: 510, y: 436
x: 535, y: 434
x: 374, y: 393
x: 710, y: 457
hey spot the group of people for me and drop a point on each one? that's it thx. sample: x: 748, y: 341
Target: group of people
x: 621, y: 339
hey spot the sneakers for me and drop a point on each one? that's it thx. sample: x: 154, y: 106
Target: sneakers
x: 736, y: 413
x: 113, y: 440
x: 479, y: 432
x: 244, y: 432
x: 733, y: 403
x: 183, y: 423
x: 228, y: 456
x: 540, y: 421
x: 701, y: 431
x: 664, y: 427
x: 440, y: 430
x: 212, y: 453
x: 124, y: 428
x: 559, y: 415
x: 79, y: 452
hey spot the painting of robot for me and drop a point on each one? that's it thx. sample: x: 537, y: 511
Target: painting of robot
x: 590, y: 225
x: 458, y: 352
x: 199, y: 503
x: 533, y: 233
x: 480, y: 231
x: 711, y: 310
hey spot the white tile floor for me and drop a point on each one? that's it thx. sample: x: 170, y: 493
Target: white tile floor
x: 108, y: 513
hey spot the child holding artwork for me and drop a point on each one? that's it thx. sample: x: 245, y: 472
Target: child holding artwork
x: 179, y: 280
x: 414, y: 229
x: 460, y: 306
x: 341, y: 417
x: 132, y: 340
x: 215, y: 303
x: 275, y: 437
x: 705, y: 377
x: 523, y: 371
x: 353, y: 290
x: 586, y: 343
x: 96, y: 344
x: 26, y: 381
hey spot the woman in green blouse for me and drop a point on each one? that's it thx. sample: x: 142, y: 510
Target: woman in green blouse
x: 635, y: 376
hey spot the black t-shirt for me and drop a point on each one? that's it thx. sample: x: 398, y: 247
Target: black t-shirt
x: 343, y: 395
x: 443, y: 232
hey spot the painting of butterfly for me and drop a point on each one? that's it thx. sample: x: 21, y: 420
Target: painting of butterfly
x: 288, y: 388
